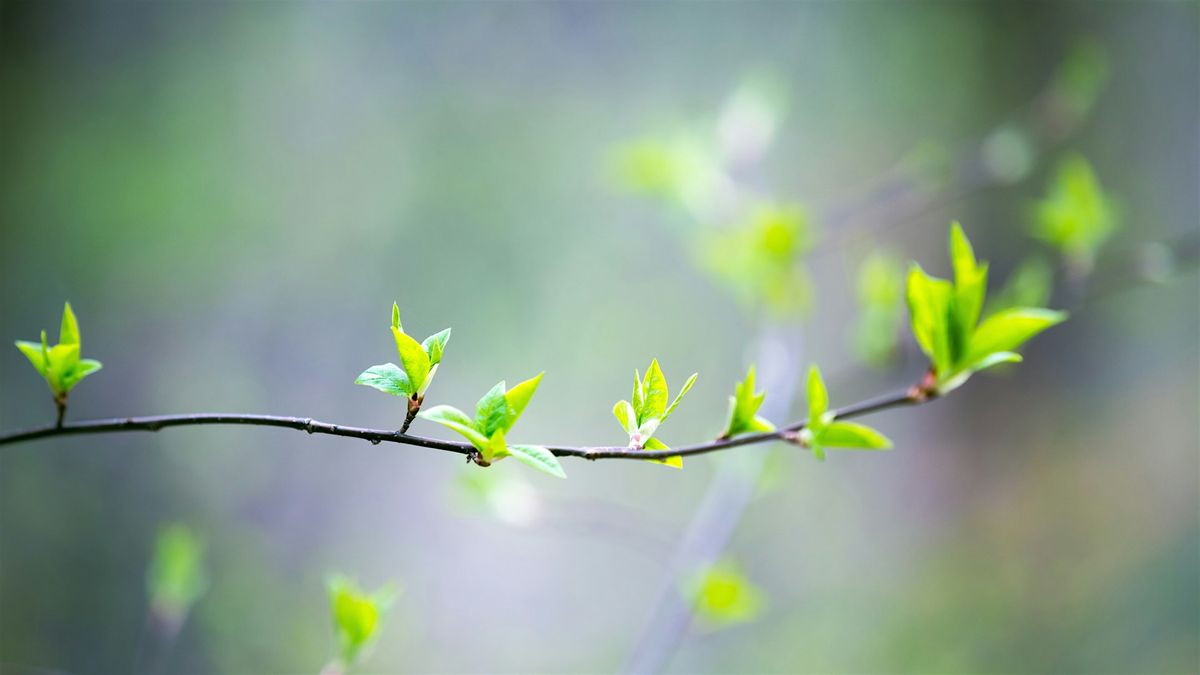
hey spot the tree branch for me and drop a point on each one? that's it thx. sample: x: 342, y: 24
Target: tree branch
x: 376, y: 436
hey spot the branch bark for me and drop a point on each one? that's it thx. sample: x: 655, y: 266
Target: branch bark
x: 376, y: 436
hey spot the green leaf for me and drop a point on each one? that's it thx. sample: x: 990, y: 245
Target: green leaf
x: 33, y: 352
x: 626, y: 415
x: 840, y: 434
x: 60, y: 365
x: 518, y: 397
x: 639, y: 394
x: 388, y: 378
x: 176, y: 578
x: 63, y: 358
x: 818, y: 397
x: 996, y: 358
x: 929, y: 308
x: 435, y: 345
x: 687, y: 386
x: 413, y: 358
x: 721, y: 595
x: 82, y: 369
x: 539, y: 458
x: 396, y: 317
x: 491, y: 412
x: 655, y: 392
x: 453, y: 418
x: 428, y: 380
x: 656, y: 445
x: 69, y: 333
x: 970, y: 286
x: 743, y: 405
x: 356, y: 616
x: 1007, y: 330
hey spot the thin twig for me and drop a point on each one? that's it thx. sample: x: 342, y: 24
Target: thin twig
x: 311, y: 426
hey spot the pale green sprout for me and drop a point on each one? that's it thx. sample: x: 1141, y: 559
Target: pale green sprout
x: 60, y: 365
x: 1076, y: 217
x: 642, y: 417
x: 881, y: 304
x: 176, y: 578
x: 743, y: 409
x: 761, y: 258
x: 945, y: 319
x: 357, y: 617
x: 722, y: 596
x: 418, y: 364
x: 495, y: 415
x: 823, y: 430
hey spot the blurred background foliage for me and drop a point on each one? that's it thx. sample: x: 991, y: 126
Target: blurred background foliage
x: 231, y: 195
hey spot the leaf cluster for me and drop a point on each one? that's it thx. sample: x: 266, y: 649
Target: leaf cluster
x: 60, y: 365
x: 743, y: 408
x: 823, y: 430
x: 642, y: 417
x: 495, y: 415
x: 945, y: 319
x: 418, y: 363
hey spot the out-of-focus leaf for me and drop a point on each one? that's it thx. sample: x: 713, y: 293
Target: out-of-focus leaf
x: 1076, y: 217
x: 1082, y: 76
x: 761, y: 258
x: 357, y: 616
x: 721, y: 596
x: 176, y: 578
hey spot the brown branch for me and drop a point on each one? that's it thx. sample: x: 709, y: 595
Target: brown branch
x: 376, y: 436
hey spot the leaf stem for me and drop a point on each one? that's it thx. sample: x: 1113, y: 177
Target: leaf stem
x: 60, y: 403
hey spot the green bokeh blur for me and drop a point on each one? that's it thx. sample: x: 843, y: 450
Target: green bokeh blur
x: 231, y: 195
